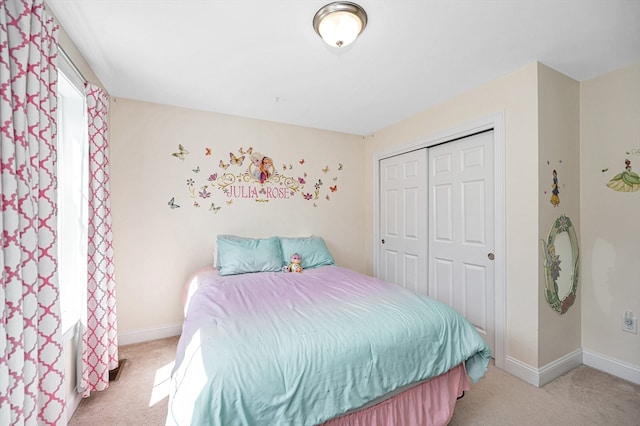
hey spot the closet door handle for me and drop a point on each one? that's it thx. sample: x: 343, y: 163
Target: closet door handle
x: 383, y: 241
x: 491, y: 256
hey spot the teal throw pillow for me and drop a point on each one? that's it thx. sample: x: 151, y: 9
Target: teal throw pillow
x: 245, y: 255
x: 312, y: 250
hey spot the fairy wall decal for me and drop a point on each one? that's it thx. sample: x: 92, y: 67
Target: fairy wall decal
x: 555, y: 192
x: 626, y: 181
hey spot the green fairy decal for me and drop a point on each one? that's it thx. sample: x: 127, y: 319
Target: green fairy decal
x: 627, y: 181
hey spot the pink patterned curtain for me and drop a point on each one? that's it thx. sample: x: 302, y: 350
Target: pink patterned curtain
x: 31, y: 365
x: 100, y: 347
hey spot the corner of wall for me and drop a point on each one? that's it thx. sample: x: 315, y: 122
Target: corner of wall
x: 559, y: 194
x: 539, y: 377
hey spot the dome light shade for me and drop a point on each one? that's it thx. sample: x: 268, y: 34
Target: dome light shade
x: 340, y: 23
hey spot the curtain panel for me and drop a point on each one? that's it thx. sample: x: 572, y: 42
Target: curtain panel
x: 31, y: 365
x: 100, y: 347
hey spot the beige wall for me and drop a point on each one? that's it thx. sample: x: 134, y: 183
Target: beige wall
x: 610, y: 231
x: 559, y: 149
x: 515, y: 95
x: 157, y: 248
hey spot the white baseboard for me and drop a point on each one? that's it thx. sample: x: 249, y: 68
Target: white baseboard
x: 521, y: 370
x: 612, y: 366
x: 152, y: 333
x: 541, y: 376
x: 72, y: 404
x: 557, y: 368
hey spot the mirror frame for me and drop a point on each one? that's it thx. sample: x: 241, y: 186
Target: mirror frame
x: 552, y: 265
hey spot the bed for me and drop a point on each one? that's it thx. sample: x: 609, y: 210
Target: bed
x: 329, y: 345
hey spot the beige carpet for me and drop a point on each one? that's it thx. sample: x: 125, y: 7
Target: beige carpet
x: 139, y: 396
x: 582, y: 397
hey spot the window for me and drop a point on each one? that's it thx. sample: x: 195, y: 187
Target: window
x: 73, y: 191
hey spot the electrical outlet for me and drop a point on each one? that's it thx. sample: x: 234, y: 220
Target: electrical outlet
x: 629, y: 323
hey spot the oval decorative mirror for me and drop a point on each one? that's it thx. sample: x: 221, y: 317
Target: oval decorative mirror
x: 561, y: 265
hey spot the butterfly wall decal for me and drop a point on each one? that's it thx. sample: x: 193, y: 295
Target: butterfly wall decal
x: 326, y: 169
x: 196, y: 170
x: 248, y: 151
x: 236, y: 160
x: 301, y: 161
x: 214, y: 209
x: 172, y: 203
x: 212, y: 177
x: 207, y: 151
x: 182, y: 152
x: 333, y: 188
x: 223, y: 165
x: 339, y: 166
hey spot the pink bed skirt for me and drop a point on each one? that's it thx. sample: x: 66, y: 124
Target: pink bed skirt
x: 430, y: 403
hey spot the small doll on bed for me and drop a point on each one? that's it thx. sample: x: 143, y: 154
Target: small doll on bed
x: 296, y: 263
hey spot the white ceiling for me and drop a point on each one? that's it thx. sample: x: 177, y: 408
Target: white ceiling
x: 263, y: 60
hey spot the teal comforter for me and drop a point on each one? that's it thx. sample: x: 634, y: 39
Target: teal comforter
x: 279, y: 348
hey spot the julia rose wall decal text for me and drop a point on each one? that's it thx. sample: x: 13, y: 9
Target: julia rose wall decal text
x: 250, y: 175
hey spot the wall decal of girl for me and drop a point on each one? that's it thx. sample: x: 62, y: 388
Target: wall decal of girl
x: 266, y: 169
x: 261, y: 167
x: 555, y: 197
x: 627, y: 181
x: 256, y: 162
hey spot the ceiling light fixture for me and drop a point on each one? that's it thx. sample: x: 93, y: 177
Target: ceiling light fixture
x: 339, y: 23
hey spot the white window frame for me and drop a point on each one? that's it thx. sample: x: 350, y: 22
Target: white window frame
x: 73, y: 195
